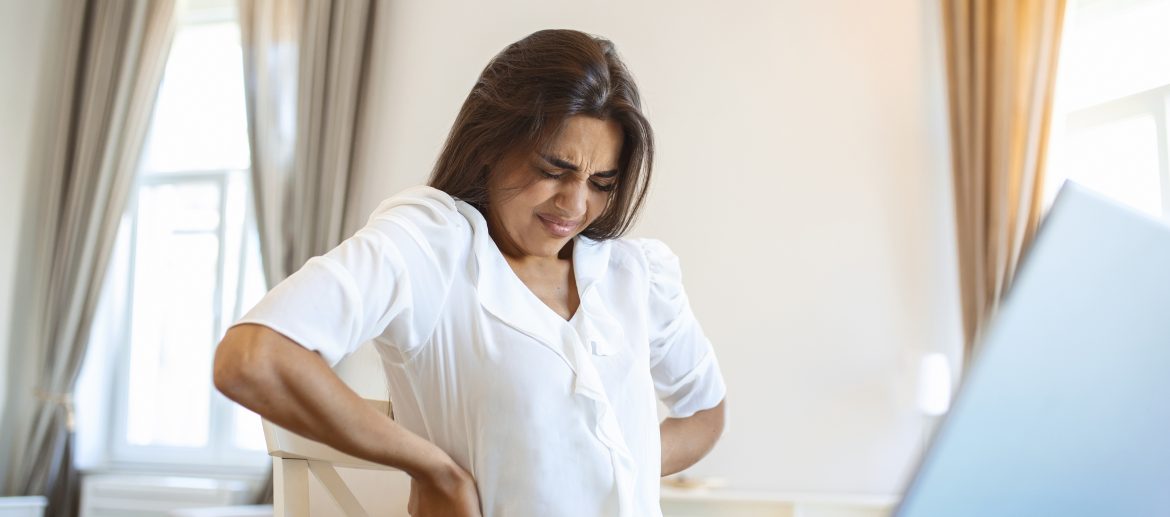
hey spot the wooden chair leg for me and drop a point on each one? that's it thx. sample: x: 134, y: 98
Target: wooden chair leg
x: 336, y: 489
x: 290, y: 487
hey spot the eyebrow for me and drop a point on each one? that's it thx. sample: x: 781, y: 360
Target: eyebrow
x: 565, y: 164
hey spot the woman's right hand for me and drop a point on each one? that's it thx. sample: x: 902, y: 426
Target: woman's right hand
x: 448, y: 492
x: 296, y: 389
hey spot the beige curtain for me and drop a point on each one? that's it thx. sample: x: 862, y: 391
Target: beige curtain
x: 1001, y: 68
x: 305, y: 65
x: 305, y: 70
x: 114, y: 56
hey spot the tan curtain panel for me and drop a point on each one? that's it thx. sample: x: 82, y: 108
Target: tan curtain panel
x: 114, y: 55
x: 1001, y: 68
x: 305, y: 68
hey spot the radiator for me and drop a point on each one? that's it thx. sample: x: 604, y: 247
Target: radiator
x: 116, y: 495
x: 30, y: 506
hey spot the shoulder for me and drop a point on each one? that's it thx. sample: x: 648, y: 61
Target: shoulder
x: 651, y: 257
x: 420, y: 202
x: 426, y: 213
x: 647, y: 252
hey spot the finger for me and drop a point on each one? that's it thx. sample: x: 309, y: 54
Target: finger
x: 412, y: 502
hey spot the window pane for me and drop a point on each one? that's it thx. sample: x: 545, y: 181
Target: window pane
x: 1112, y: 49
x: 254, y: 284
x: 247, y: 432
x: 173, y: 320
x: 199, y: 121
x: 235, y: 232
x: 247, y: 290
x: 1119, y: 159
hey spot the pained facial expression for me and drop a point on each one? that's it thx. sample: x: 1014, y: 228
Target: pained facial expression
x: 539, y: 201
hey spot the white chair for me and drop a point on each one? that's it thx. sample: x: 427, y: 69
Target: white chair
x: 294, y: 457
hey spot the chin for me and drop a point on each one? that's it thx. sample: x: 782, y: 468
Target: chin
x: 549, y: 246
x: 553, y: 249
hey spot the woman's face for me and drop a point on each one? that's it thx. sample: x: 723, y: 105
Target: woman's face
x: 539, y: 201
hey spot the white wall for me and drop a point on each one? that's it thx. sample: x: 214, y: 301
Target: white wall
x: 27, y: 31
x: 802, y: 178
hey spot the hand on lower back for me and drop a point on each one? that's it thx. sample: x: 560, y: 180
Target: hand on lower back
x: 449, y: 494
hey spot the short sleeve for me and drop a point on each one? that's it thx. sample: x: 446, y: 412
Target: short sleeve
x: 389, y: 280
x: 682, y: 361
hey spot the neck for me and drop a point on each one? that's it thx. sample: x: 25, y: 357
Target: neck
x: 518, y: 260
x: 515, y: 255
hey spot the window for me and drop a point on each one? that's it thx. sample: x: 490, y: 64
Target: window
x: 1110, y: 114
x: 186, y: 263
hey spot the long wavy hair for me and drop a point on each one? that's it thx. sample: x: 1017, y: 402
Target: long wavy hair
x: 525, y: 95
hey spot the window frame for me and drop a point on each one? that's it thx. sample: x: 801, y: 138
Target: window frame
x: 220, y: 452
x: 1076, y: 110
x: 220, y: 455
x: 1154, y: 102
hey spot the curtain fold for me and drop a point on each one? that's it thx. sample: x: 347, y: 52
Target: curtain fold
x: 1001, y: 69
x: 305, y: 66
x: 114, y: 55
x: 305, y: 71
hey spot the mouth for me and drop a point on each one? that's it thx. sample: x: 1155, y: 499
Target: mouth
x: 559, y: 228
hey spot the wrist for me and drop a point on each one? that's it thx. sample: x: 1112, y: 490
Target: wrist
x: 440, y: 470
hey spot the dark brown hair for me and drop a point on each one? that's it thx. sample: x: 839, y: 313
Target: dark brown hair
x: 522, y: 99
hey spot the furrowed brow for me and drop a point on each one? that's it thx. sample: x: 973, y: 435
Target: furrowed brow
x: 565, y: 164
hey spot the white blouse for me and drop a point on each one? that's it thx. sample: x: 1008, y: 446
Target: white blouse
x: 551, y: 417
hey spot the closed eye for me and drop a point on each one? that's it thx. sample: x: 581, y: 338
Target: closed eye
x: 556, y: 168
x: 604, y: 187
x: 549, y: 174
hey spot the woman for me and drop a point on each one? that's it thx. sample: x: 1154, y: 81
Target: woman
x: 524, y: 342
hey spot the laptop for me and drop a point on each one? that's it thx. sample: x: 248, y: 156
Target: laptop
x: 1066, y: 409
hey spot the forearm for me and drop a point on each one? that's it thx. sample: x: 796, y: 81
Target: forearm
x: 294, y: 388
x: 685, y: 441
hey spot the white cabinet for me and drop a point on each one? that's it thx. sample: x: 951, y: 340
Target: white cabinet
x: 732, y: 503
x: 116, y: 495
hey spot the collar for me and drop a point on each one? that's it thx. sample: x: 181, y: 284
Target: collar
x: 504, y: 296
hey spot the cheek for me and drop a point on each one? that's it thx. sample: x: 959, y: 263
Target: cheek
x: 597, y: 203
x: 521, y: 208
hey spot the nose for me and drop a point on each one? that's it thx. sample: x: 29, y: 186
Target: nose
x: 572, y: 197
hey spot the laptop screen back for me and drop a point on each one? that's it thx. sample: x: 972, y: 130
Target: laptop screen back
x: 1066, y: 409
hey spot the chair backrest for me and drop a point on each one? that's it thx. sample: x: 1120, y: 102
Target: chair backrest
x: 294, y: 457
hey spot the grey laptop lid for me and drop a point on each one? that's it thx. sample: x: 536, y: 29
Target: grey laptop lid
x: 1065, y: 411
